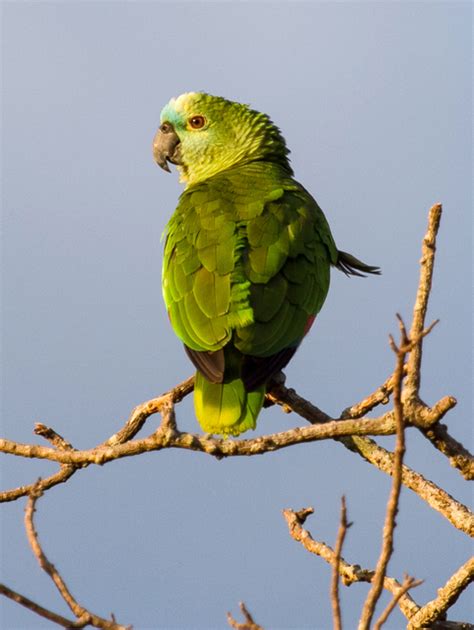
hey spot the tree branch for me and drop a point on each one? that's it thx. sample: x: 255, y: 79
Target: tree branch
x: 350, y: 573
x: 408, y: 583
x: 36, y: 608
x: 454, y: 511
x: 83, y: 616
x: 447, y: 596
x: 142, y: 412
x: 413, y: 379
x: 380, y: 396
x: 64, y: 473
x: 341, y: 534
x: 249, y: 623
x: 439, y: 437
x: 385, y: 425
x: 392, y: 505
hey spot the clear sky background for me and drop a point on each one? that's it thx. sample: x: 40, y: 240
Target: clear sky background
x: 374, y: 100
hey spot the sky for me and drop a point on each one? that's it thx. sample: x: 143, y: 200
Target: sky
x: 374, y: 100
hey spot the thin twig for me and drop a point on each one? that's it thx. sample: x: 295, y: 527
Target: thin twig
x: 380, y: 396
x: 83, y: 616
x: 50, y: 434
x: 350, y: 573
x: 447, y: 596
x: 458, y: 455
x: 65, y: 472
x: 142, y: 412
x: 249, y: 623
x: 341, y: 534
x: 392, y: 505
x: 413, y: 379
x: 36, y: 608
x: 408, y: 584
x: 61, y: 476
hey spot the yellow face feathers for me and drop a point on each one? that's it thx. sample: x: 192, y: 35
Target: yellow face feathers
x: 215, y: 134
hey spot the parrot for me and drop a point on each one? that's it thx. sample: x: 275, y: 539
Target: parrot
x: 247, y: 254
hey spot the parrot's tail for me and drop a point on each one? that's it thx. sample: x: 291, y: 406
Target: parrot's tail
x: 226, y: 408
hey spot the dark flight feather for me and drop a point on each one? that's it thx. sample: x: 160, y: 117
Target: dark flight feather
x: 352, y: 266
x: 255, y: 371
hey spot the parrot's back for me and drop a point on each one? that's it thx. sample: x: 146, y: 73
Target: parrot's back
x: 246, y: 269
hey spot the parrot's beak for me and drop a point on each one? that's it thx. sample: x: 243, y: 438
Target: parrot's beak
x: 166, y: 146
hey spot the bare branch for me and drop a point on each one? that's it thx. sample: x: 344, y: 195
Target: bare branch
x: 61, y: 476
x: 36, y: 608
x: 163, y: 438
x: 83, y: 616
x: 136, y: 420
x: 447, y: 596
x: 50, y: 434
x: 341, y: 534
x: 350, y: 573
x: 408, y: 583
x: 417, y: 414
x: 64, y: 473
x: 249, y: 623
x: 392, y: 505
x: 454, y: 511
x: 291, y: 401
x: 457, y: 513
x: 458, y: 455
x: 142, y: 412
x: 439, y: 437
x: 380, y: 396
x: 412, y: 385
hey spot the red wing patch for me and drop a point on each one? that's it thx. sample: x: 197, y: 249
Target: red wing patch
x: 309, y: 323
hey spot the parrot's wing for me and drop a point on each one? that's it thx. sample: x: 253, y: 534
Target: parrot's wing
x: 246, y: 268
x: 288, y: 265
x: 199, y: 262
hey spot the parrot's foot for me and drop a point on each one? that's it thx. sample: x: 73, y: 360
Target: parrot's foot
x: 277, y: 380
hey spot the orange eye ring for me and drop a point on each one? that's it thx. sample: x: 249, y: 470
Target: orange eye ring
x: 197, y: 122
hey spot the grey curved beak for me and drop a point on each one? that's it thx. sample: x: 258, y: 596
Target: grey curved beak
x: 166, y: 147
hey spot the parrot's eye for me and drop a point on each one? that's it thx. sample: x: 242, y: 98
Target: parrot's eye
x: 197, y: 122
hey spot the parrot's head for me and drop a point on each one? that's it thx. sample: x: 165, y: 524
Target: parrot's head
x: 204, y: 134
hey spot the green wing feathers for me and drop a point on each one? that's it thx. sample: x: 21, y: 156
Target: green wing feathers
x: 247, y: 261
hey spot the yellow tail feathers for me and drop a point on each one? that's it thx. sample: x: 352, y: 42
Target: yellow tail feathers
x: 226, y: 408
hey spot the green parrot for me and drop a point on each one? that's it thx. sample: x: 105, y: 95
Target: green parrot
x: 247, y: 256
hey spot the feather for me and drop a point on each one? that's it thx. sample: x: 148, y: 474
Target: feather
x: 352, y: 266
x: 226, y: 408
x: 256, y: 371
x: 210, y: 364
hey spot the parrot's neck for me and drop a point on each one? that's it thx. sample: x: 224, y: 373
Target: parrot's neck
x: 222, y: 160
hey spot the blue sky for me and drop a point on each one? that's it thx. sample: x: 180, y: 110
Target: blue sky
x: 375, y: 102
